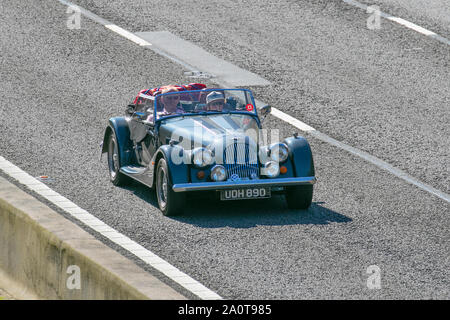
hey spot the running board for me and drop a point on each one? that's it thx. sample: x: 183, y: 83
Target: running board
x: 139, y: 173
x: 133, y: 170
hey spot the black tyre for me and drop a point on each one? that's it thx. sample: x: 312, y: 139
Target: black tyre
x: 299, y: 197
x: 170, y: 203
x: 116, y: 177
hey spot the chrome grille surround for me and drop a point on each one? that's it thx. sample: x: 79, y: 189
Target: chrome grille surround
x: 240, y: 159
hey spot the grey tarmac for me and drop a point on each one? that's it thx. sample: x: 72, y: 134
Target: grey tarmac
x: 373, y: 90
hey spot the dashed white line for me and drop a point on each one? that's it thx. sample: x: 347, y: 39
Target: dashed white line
x: 126, y: 34
x: 99, y: 226
x: 382, y: 165
x: 291, y: 120
x: 402, y: 22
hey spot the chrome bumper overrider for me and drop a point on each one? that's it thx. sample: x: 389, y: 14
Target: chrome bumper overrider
x: 278, y: 182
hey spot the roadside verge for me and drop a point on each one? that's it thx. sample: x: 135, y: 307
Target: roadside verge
x: 54, y: 258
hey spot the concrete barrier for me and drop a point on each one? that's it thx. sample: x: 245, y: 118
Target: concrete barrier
x: 53, y: 258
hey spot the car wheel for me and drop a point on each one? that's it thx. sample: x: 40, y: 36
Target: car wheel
x: 171, y: 203
x: 116, y: 177
x: 299, y: 197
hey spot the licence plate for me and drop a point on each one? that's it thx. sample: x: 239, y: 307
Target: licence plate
x: 245, y: 193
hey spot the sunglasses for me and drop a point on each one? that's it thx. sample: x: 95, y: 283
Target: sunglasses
x: 218, y: 103
x: 171, y: 97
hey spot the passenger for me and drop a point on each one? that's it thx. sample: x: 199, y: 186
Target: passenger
x: 215, y: 101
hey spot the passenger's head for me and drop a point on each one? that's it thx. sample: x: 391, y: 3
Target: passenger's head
x: 215, y: 101
x: 170, y: 101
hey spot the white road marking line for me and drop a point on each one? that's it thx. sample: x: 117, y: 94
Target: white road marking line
x: 402, y: 22
x: 411, y: 25
x: 96, y: 224
x: 124, y: 33
x: 128, y: 35
x: 381, y: 164
x: 291, y: 120
x: 168, y: 45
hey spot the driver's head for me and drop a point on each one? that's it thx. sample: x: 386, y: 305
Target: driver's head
x: 171, y: 100
x: 215, y: 101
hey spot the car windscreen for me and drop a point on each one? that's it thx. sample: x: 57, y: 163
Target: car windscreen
x: 203, y: 101
x: 216, y: 123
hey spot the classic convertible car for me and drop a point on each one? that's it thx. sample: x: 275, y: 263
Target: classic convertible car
x: 181, y: 139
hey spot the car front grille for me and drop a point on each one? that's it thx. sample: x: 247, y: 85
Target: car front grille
x: 241, y: 160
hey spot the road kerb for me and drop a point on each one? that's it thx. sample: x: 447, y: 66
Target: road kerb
x: 38, y: 246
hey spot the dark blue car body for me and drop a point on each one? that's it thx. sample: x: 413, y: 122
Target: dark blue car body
x: 162, y: 154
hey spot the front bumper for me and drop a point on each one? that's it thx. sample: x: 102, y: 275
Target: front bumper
x: 277, y: 182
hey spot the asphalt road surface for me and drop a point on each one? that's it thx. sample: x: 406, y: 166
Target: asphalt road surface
x: 384, y: 91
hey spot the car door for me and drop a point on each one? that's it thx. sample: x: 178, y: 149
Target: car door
x: 149, y: 144
x: 142, y: 133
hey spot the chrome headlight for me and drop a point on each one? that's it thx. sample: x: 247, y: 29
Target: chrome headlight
x: 218, y: 173
x: 278, y: 152
x: 202, y: 157
x: 271, y: 169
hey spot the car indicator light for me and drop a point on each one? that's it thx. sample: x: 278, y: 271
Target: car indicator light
x: 201, y: 175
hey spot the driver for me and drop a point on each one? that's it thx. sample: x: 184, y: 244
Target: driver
x: 215, y: 101
x: 170, y: 103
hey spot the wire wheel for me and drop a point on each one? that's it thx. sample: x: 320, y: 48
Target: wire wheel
x: 116, y: 177
x: 161, y: 187
x: 170, y: 202
x: 113, y: 158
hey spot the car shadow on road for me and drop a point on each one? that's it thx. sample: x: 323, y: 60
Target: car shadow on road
x: 252, y: 213
x: 208, y: 212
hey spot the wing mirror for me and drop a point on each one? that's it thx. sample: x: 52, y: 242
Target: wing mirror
x: 264, y: 111
x: 173, y: 142
x: 130, y: 109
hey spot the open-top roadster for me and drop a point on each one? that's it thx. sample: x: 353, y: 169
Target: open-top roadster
x: 179, y: 139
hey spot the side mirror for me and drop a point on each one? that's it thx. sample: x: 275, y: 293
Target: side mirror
x: 264, y: 111
x: 173, y: 142
x: 130, y: 109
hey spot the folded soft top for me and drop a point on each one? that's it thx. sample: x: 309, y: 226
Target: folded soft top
x: 158, y: 90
